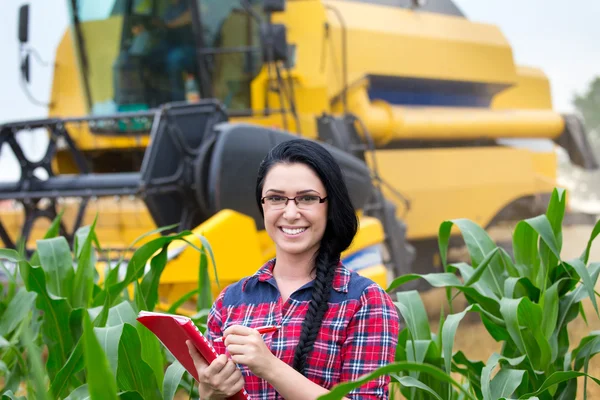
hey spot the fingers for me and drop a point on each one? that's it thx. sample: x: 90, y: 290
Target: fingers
x: 234, y: 383
x: 235, y: 349
x: 199, y: 361
x: 238, y: 330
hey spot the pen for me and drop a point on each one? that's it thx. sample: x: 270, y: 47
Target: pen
x: 261, y: 330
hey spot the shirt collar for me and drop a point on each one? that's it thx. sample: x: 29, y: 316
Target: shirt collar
x: 341, y: 278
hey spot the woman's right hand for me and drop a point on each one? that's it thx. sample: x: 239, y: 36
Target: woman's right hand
x: 219, y: 380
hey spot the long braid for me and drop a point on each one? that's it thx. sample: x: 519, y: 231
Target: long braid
x: 319, y: 303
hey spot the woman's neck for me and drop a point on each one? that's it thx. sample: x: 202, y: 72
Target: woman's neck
x: 294, y: 268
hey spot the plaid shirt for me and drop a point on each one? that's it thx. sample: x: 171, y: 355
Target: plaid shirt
x: 358, y: 335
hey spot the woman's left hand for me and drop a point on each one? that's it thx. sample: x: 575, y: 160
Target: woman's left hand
x: 246, y: 346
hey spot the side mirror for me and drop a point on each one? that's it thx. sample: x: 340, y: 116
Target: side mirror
x: 271, y: 6
x: 24, y: 23
x: 274, y: 39
x: 25, y: 67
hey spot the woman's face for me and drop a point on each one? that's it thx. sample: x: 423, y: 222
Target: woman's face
x: 296, y: 229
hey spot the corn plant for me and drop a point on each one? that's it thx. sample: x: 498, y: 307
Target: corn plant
x: 66, y: 334
x: 526, y: 303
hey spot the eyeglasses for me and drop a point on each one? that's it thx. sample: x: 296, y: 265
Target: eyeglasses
x: 303, y: 202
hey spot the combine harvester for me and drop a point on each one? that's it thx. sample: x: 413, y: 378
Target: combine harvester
x: 426, y: 110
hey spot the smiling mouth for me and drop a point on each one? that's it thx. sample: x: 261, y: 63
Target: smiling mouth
x: 293, y: 232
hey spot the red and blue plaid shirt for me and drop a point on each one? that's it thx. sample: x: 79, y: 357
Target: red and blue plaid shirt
x: 358, y: 335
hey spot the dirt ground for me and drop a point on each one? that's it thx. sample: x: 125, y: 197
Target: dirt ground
x: 474, y: 340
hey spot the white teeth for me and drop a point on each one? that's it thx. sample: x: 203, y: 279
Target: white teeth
x: 296, y: 231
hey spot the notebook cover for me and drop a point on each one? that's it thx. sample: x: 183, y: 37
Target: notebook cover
x: 173, y: 331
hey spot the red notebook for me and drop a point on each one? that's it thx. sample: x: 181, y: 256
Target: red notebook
x: 173, y: 331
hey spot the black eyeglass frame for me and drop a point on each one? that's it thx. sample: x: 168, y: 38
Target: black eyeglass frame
x: 287, y: 199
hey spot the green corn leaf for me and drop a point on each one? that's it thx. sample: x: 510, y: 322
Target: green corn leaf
x: 413, y: 311
x: 55, y: 327
x: 556, y: 378
x: 56, y: 261
x: 506, y: 382
x: 101, y: 381
x: 568, y: 309
x: 206, y: 245
x: 586, y: 253
x: 482, y: 267
x: 152, y: 353
x: 515, y: 287
x: 16, y: 311
x: 173, y: 377
x: 74, y: 364
x: 508, y: 264
x: 338, y: 391
x: 556, y: 212
x: 52, y: 232
x: 151, y: 280
x: 588, y: 347
x: 121, y: 313
x: 549, y: 249
x: 130, y: 395
x: 109, y: 338
x: 9, y: 395
x: 474, y: 296
x: 472, y: 371
x: 549, y: 304
x: 133, y: 373
x: 443, y: 279
x: 35, y: 361
x: 86, y: 264
x: 520, y: 313
x: 588, y: 284
x: 448, y: 334
x: 12, y: 280
x: 14, y: 378
x: 479, y: 245
x: 10, y: 255
x: 204, y: 299
x: 409, y: 381
x: 179, y: 302
x: 467, y: 272
x: 486, y: 373
x: 137, y: 264
x: 525, y: 248
x: 81, y: 393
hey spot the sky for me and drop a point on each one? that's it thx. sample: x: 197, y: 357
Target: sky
x: 559, y: 36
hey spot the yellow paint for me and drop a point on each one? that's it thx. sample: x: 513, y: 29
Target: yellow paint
x: 473, y: 183
x: 387, y: 123
x: 532, y: 91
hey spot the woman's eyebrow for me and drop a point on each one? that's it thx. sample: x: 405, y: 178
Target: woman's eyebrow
x: 298, y: 192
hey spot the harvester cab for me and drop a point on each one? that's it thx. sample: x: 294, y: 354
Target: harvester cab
x: 426, y: 111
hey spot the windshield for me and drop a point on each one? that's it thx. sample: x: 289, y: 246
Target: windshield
x: 139, y: 54
x: 231, y: 55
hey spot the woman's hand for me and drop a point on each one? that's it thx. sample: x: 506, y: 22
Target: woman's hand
x: 219, y: 380
x: 247, y: 347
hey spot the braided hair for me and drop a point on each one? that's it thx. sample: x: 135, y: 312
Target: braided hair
x: 342, y: 225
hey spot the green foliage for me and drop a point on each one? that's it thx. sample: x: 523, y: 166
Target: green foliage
x: 65, y: 334
x: 525, y: 303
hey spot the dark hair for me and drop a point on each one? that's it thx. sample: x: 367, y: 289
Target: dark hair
x: 340, y: 230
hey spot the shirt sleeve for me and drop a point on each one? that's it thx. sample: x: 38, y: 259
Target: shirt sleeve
x: 214, y: 323
x: 370, y: 343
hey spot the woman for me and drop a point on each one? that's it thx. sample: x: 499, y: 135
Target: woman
x: 335, y: 324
